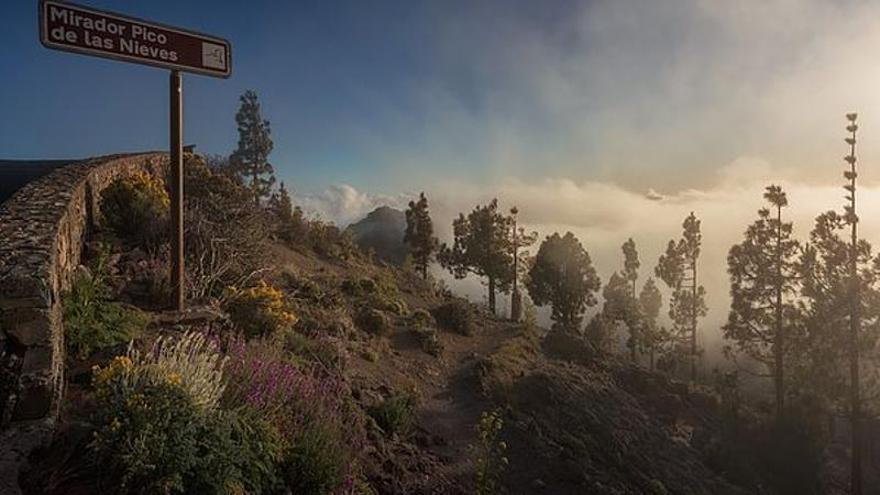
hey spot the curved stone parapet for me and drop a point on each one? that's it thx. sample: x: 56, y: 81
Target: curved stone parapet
x: 43, y: 227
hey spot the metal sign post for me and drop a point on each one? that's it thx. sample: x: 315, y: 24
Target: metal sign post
x: 84, y: 30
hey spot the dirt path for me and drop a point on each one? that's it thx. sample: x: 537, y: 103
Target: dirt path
x: 451, y: 400
x: 453, y: 410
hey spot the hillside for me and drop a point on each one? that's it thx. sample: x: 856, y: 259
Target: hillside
x: 573, y: 424
x: 304, y: 365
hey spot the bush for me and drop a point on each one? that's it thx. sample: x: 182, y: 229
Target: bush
x: 319, y: 425
x: 394, y: 414
x: 428, y: 341
x: 244, y: 452
x: 92, y: 322
x: 491, y: 458
x: 157, y: 429
x: 192, y: 361
x: 395, y: 307
x: 328, y: 241
x: 136, y: 209
x: 421, y: 319
x: 373, y: 321
x: 310, y: 291
x: 359, y: 288
x: 147, y: 430
x: 225, y: 233
x: 259, y: 311
x: 316, y: 463
x: 322, y: 351
x: 456, y: 316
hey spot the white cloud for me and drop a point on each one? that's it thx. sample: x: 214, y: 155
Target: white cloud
x: 342, y: 204
x: 604, y: 215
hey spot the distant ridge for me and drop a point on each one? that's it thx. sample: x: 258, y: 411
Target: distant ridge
x: 382, y: 231
x: 16, y: 173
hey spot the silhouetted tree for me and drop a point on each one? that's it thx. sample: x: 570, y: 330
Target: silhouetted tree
x: 852, y: 219
x: 621, y: 308
x: 419, y: 235
x: 563, y: 276
x: 281, y: 206
x: 520, y: 239
x: 251, y: 159
x: 677, y: 268
x: 631, y: 264
x: 631, y: 274
x: 482, y: 246
x: 763, y: 285
x: 653, y: 336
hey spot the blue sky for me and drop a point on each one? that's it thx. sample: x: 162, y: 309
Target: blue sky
x: 392, y: 96
x: 343, y: 83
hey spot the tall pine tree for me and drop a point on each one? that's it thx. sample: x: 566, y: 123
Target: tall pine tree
x: 419, y: 235
x: 251, y: 159
x: 631, y: 274
x: 852, y: 219
x: 764, y: 286
x: 520, y: 239
x: 652, y: 335
x: 677, y: 268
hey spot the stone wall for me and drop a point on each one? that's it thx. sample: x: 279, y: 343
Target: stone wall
x: 42, y: 230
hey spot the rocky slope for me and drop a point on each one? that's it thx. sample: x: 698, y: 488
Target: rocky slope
x: 574, y: 422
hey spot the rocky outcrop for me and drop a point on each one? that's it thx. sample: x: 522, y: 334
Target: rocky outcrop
x: 42, y: 230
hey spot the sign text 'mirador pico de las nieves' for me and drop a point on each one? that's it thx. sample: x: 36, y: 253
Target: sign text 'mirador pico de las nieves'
x: 74, y: 28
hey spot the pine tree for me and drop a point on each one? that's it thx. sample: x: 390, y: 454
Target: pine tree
x: 851, y: 218
x: 563, y: 276
x: 620, y: 308
x: 653, y: 336
x: 677, y: 268
x: 482, y: 246
x: 631, y: 264
x: 281, y: 209
x: 520, y: 239
x: 419, y: 235
x: 631, y: 274
x: 763, y: 287
x: 251, y: 159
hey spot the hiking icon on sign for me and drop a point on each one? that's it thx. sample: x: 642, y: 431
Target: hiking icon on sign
x: 213, y: 56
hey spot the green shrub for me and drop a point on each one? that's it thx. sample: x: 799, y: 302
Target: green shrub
x: 151, y: 436
x: 373, y: 321
x: 316, y: 463
x: 395, y: 307
x: 429, y: 341
x: 147, y: 430
x: 136, y: 209
x: 359, y: 288
x: 92, y: 322
x: 240, y: 454
x: 311, y: 291
x: 421, y: 319
x: 456, y: 316
x: 394, y: 414
x: 259, y: 311
x: 491, y: 458
x: 312, y: 350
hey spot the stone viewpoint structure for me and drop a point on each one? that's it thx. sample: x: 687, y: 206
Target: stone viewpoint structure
x: 43, y: 227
